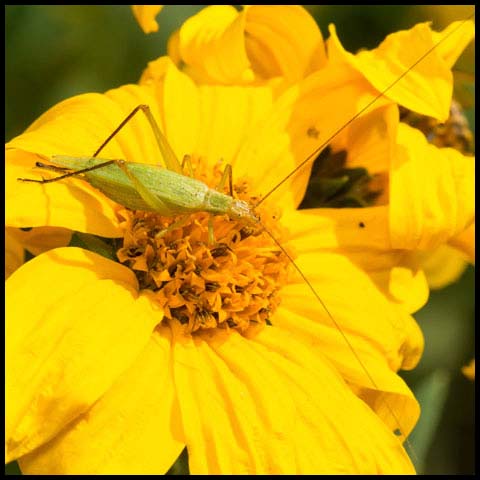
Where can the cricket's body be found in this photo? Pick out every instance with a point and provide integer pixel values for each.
(177, 194)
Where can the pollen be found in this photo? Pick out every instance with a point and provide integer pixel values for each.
(230, 283)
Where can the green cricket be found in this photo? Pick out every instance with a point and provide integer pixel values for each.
(137, 186)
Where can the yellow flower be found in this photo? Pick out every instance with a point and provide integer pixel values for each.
(429, 190)
(113, 368)
(145, 15)
(421, 204)
(222, 45)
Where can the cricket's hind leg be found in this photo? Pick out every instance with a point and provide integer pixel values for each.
(168, 155)
(66, 175)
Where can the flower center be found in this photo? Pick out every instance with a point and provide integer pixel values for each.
(454, 133)
(232, 282)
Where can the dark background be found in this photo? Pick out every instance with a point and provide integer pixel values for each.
(55, 52)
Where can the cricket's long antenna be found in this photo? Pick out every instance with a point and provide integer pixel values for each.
(345, 125)
(342, 333)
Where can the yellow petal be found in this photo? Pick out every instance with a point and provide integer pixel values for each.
(173, 48)
(465, 242)
(370, 139)
(274, 45)
(284, 411)
(179, 104)
(221, 45)
(36, 241)
(352, 439)
(408, 286)
(132, 429)
(226, 431)
(362, 236)
(75, 322)
(443, 266)
(211, 44)
(384, 337)
(145, 15)
(432, 192)
(348, 229)
(275, 412)
(469, 370)
(14, 252)
(426, 89)
(41, 239)
(457, 36)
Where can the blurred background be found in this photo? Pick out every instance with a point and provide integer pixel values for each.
(55, 52)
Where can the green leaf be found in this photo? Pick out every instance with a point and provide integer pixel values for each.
(94, 244)
(12, 469)
(432, 394)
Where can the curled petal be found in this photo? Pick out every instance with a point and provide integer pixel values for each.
(457, 36)
(145, 15)
(465, 242)
(432, 192)
(274, 45)
(469, 370)
(426, 89)
(211, 44)
(442, 266)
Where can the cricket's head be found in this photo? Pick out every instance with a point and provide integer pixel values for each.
(241, 210)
